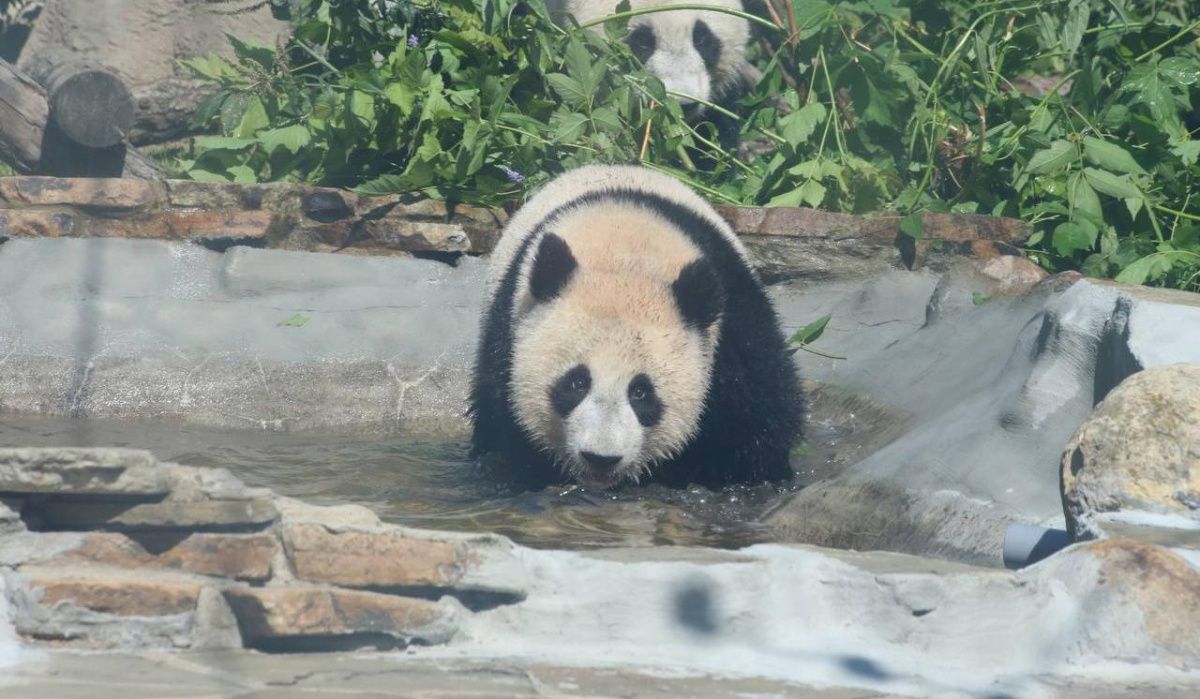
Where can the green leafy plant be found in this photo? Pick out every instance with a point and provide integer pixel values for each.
(1067, 113)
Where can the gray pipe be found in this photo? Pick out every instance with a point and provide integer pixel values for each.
(1025, 544)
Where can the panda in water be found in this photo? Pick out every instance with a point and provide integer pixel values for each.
(627, 338)
(693, 52)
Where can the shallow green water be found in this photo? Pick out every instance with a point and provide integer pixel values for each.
(422, 482)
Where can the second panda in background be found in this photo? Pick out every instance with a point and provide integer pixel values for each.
(699, 53)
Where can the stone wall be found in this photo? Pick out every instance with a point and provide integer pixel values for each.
(110, 548)
(785, 243)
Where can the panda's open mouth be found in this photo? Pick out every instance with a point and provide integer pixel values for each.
(592, 478)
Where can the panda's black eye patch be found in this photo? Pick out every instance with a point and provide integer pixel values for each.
(707, 45)
(570, 389)
(642, 42)
(644, 401)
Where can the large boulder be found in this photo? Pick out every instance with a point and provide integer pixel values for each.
(142, 41)
(1136, 460)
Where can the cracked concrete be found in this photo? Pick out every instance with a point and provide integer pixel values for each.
(246, 338)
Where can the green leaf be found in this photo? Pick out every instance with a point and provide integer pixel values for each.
(296, 320)
(812, 193)
(1153, 267)
(253, 120)
(290, 138)
(810, 333)
(1110, 156)
(913, 225)
(569, 89)
(1185, 71)
(1112, 185)
(212, 143)
(1072, 236)
(362, 106)
(800, 124)
(1057, 156)
(1083, 199)
(242, 174)
(1187, 151)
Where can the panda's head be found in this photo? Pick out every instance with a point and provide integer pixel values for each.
(612, 356)
(694, 52)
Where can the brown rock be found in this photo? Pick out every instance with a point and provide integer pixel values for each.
(1009, 274)
(81, 471)
(242, 557)
(394, 233)
(280, 198)
(17, 223)
(99, 193)
(375, 559)
(1139, 450)
(114, 592)
(273, 613)
(1143, 601)
(201, 515)
(792, 242)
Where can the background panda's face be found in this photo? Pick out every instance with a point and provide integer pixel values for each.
(688, 50)
(611, 369)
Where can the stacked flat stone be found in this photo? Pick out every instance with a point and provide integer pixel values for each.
(111, 548)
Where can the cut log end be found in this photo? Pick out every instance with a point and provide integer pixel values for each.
(92, 107)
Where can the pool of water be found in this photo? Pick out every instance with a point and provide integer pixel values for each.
(425, 482)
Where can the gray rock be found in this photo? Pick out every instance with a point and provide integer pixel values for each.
(991, 392)
(214, 625)
(165, 94)
(81, 471)
(203, 515)
(1136, 458)
(65, 620)
(10, 516)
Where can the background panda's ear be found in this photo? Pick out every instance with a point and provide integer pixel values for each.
(699, 294)
(552, 268)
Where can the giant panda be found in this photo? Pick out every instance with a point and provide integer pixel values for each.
(626, 338)
(693, 52)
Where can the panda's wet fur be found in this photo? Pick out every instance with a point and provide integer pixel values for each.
(694, 52)
(627, 339)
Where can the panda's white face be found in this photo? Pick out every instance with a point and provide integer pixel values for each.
(680, 49)
(612, 355)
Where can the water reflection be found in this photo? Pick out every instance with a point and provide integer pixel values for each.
(424, 482)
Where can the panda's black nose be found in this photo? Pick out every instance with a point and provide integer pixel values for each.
(596, 461)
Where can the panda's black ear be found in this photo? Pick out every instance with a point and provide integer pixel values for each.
(552, 268)
(699, 294)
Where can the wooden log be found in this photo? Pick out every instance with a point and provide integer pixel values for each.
(78, 130)
(88, 104)
(24, 111)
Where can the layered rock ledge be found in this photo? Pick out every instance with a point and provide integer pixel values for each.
(328, 579)
(110, 548)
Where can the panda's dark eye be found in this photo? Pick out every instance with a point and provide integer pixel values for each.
(644, 401)
(707, 44)
(641, 41)
(570, 389)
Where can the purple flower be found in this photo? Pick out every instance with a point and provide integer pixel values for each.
(512, 175)
(413, 41)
